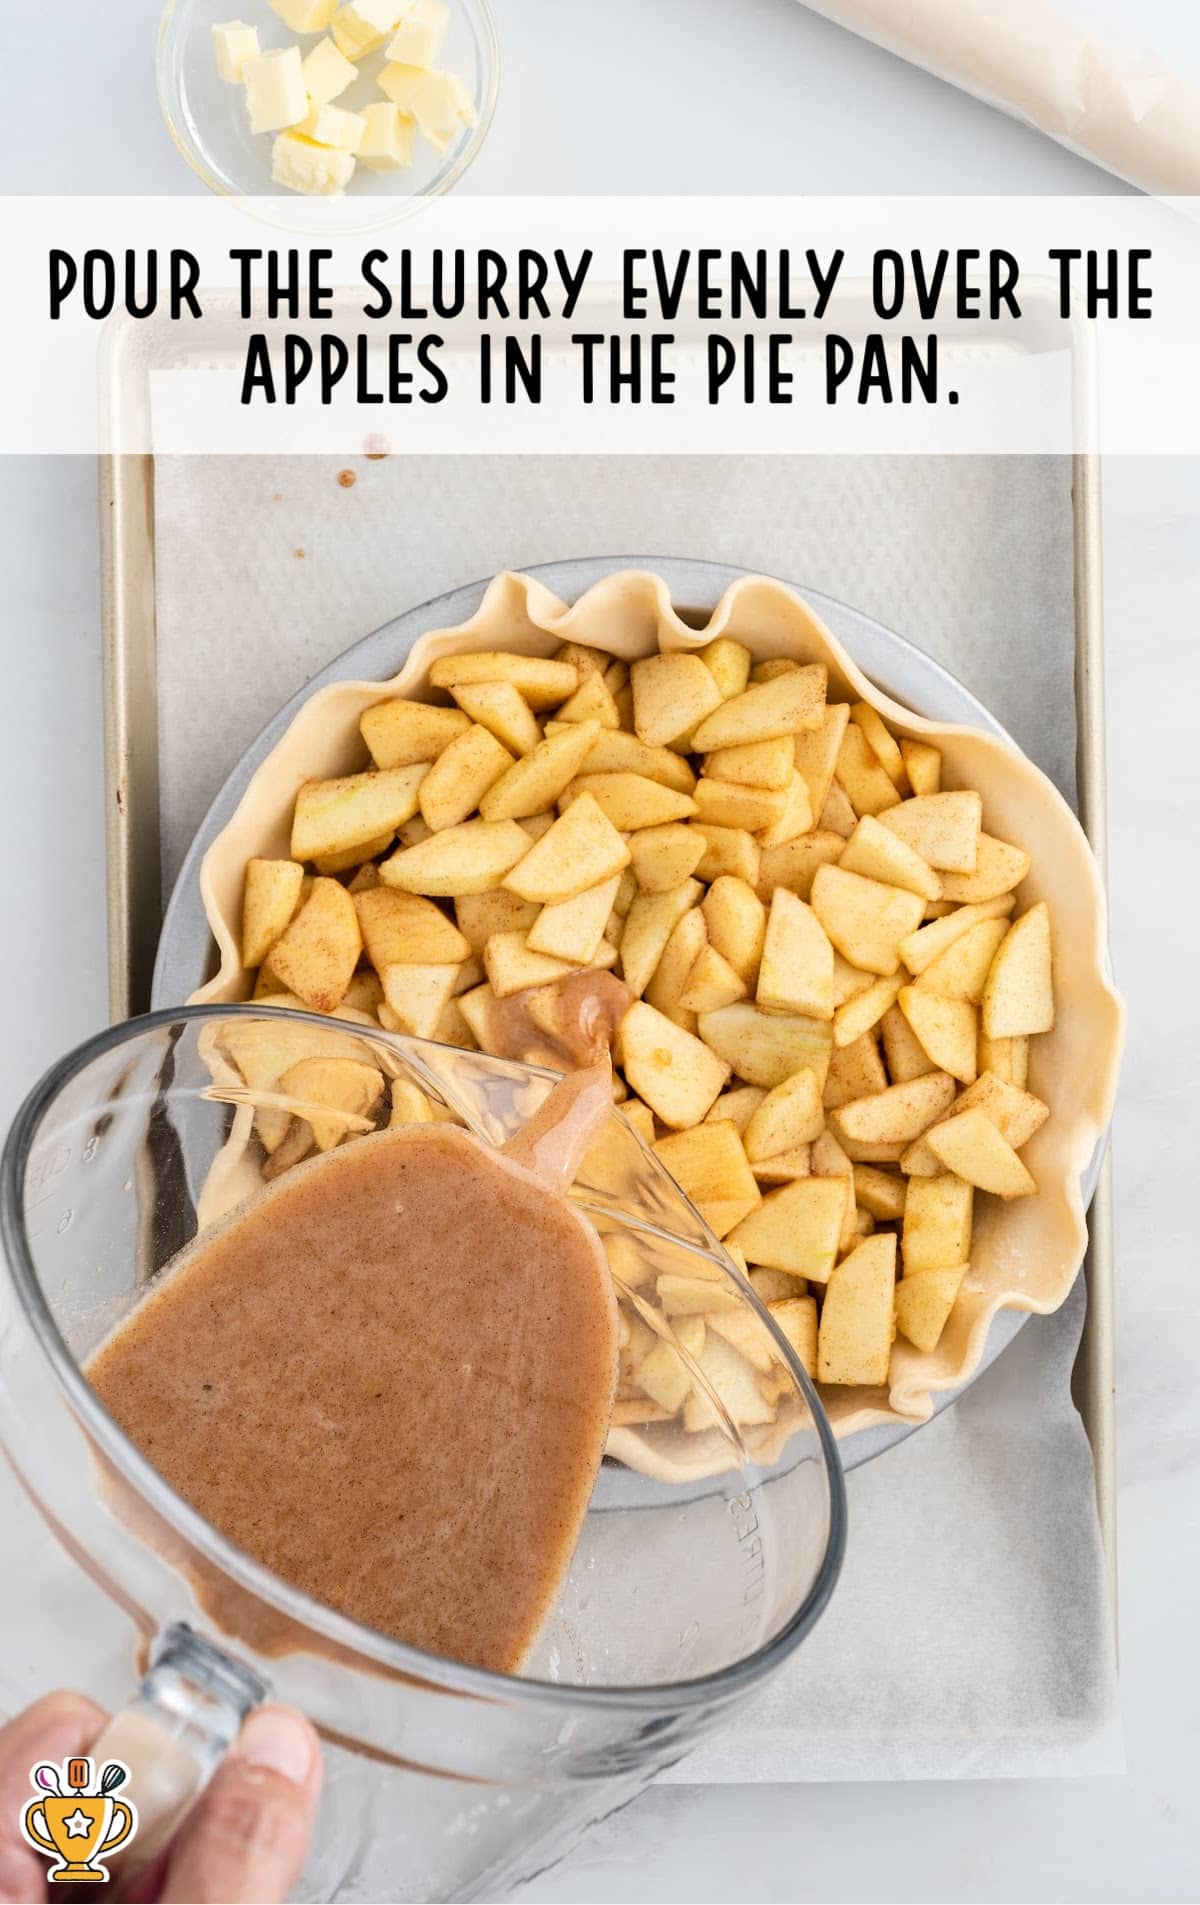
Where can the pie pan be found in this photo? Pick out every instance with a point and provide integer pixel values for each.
(1026, 1254)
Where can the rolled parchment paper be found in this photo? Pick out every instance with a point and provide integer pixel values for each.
(1122, 106)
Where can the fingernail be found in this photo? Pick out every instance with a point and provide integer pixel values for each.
(279, 1741)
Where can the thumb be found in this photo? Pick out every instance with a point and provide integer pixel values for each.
(247, 1840)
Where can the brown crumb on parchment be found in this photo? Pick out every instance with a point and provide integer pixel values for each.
(347, 479)
(300, 554)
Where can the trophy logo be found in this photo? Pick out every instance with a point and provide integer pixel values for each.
(75, 1818)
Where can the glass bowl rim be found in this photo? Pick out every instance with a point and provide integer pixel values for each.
(390, 207)
(436, 1669)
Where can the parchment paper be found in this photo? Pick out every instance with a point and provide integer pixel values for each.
(970, 1634)
(1119, 85)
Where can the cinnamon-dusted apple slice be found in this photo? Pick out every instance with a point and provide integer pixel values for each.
(728, 662)
(861, 775)
(937, 1222)
(924, 1302)
(816, 751)
(971, 1147)
(460, 777)
(665, 855)
(497, 706)
(533, 784)
(882, 743)
(674, 1073)
(649, 923)
(928, 943)
(998, 869)
(790, 704)
(866, 920)
(1018, 998)
(711, 983)
(876, 852)
(795, 863)
(573, 929)
(671, 693)
(632, 800)
(335, 815)
(737, 924)
(893, 1117)
(401, 929)
(581, 849)
(401, 733)
(271, 895)
(315, 957)
(943, 828)
(592, 701)
(415, 997)
(923, 765)
(791, 1114)
(796, 972)
(1016, 1114)
(764, 1048)
(947, 1028)
(543, 684)
(961, 971)
(471, 858)
(796, 1228)
(615, 752)
(755, 764)
(710, 1166)
(854, 1341)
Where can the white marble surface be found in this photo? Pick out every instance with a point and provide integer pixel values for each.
(586, 90)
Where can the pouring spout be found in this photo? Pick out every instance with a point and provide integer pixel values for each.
(556, 1139)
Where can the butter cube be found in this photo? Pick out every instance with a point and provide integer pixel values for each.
(275, 95)
(302, 166)
(332, 126)
(442, 107)
(360, 26)
(402, 83)
(234, 44)
(305, 16)
(420, 35)
(327, 73)
(387, 140)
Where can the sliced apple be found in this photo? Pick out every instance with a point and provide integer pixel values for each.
(876, 852)
(674, 1073)
(947, 1028)
(937, 1222)
(942, 828)
(924, 1302)
(671, 693)
(854, 1342)
(796, 972)
(764, 1048)
(581, 849)
(1018, 998)
(791, 1114)
(533, 783)
(970, 1146)
(796, 1228)
(865, 919)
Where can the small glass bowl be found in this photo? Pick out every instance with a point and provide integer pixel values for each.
(207, 117)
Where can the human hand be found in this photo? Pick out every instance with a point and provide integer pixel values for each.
(244, 1843)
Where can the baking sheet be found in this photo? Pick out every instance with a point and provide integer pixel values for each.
(975, 562)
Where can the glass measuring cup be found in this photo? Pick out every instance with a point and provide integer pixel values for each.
(707, 1553)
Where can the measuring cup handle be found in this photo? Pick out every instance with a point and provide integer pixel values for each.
(172, 1736)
